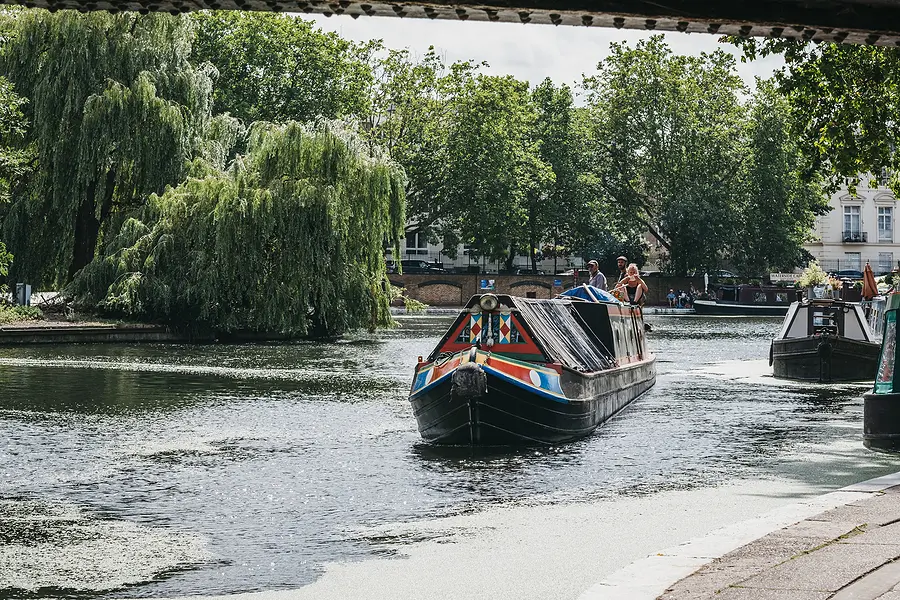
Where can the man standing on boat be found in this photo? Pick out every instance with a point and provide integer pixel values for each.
(598, 279)
(621, 262)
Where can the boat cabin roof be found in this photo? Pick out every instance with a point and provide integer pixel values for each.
(580, 335)
(819, 317)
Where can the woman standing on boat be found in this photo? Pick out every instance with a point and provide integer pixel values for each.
(633, 286)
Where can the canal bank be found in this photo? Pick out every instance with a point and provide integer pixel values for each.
(50, 332)
(842, 545)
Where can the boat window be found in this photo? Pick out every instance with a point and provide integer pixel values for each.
(759, 298)
(781, 297)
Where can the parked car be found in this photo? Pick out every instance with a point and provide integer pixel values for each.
(847, 273)
(582, 273)
(720, 274)
(529, 272)
(415, 267)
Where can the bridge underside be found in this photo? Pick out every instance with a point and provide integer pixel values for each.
(848, 21)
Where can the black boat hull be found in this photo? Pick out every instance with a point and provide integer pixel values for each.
(507, 414)
(881, 422)
(825, 358)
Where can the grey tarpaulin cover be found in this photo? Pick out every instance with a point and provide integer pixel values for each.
(559, 330)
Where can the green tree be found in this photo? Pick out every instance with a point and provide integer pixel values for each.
(15, 156)
(556, 210)
(116, 111)
(667, 146)
(275, 67)
(493, 168)
(287, 241)
(412, 108)
(844, 100)
(780, 204)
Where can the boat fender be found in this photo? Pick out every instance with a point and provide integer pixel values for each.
(824, 349)
(469, 381)
(771, 353)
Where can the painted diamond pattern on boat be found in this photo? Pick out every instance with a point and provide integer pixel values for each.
(505, 329)
(475, 328)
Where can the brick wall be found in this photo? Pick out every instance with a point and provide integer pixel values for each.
(451, 289)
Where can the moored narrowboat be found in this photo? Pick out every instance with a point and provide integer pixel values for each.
(747, 301)
(825, 340)
(514, 371)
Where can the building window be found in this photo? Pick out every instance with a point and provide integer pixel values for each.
(852, 261)
(416, 243)
(885, 224)
(852, 225)
(851, 219)
(885, 261)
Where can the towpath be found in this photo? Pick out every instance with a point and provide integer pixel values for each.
(841, 546)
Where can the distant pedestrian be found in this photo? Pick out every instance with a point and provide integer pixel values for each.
(671, 298)
(598, 279)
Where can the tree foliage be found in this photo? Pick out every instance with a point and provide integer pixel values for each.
(467, 143)
(494, 172)
(678, 149)
(288, 240)
(116, 111)
(844, 99)
(277, 68)
(15, 155)
(667, 145)
(560, 212)
(782, 197)
(412, 108)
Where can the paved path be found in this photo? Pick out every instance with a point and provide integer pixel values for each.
(840, 546)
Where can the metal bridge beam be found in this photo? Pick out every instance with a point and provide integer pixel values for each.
(848, 21)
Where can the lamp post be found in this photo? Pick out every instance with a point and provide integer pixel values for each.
(881, 406)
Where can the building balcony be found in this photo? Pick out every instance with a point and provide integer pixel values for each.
(860, 237)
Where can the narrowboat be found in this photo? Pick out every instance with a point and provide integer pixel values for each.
(747, 301)
(525, 371)
(825, 340)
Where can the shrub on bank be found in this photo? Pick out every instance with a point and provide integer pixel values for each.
(16, 313)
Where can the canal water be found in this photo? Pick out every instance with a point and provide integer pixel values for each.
(171, 470)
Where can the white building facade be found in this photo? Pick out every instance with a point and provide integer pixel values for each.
(860, 228)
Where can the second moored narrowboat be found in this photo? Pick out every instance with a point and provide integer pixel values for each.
(825, 340)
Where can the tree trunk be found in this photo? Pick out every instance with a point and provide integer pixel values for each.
(532, 242)
(87, 229)
(509, 260)
(87, 225)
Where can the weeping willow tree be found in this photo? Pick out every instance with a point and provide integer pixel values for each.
(289, 240)
(116, 109)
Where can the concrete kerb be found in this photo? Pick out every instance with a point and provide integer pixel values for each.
(649, 577)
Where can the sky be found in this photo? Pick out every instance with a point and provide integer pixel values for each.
(528, 52)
